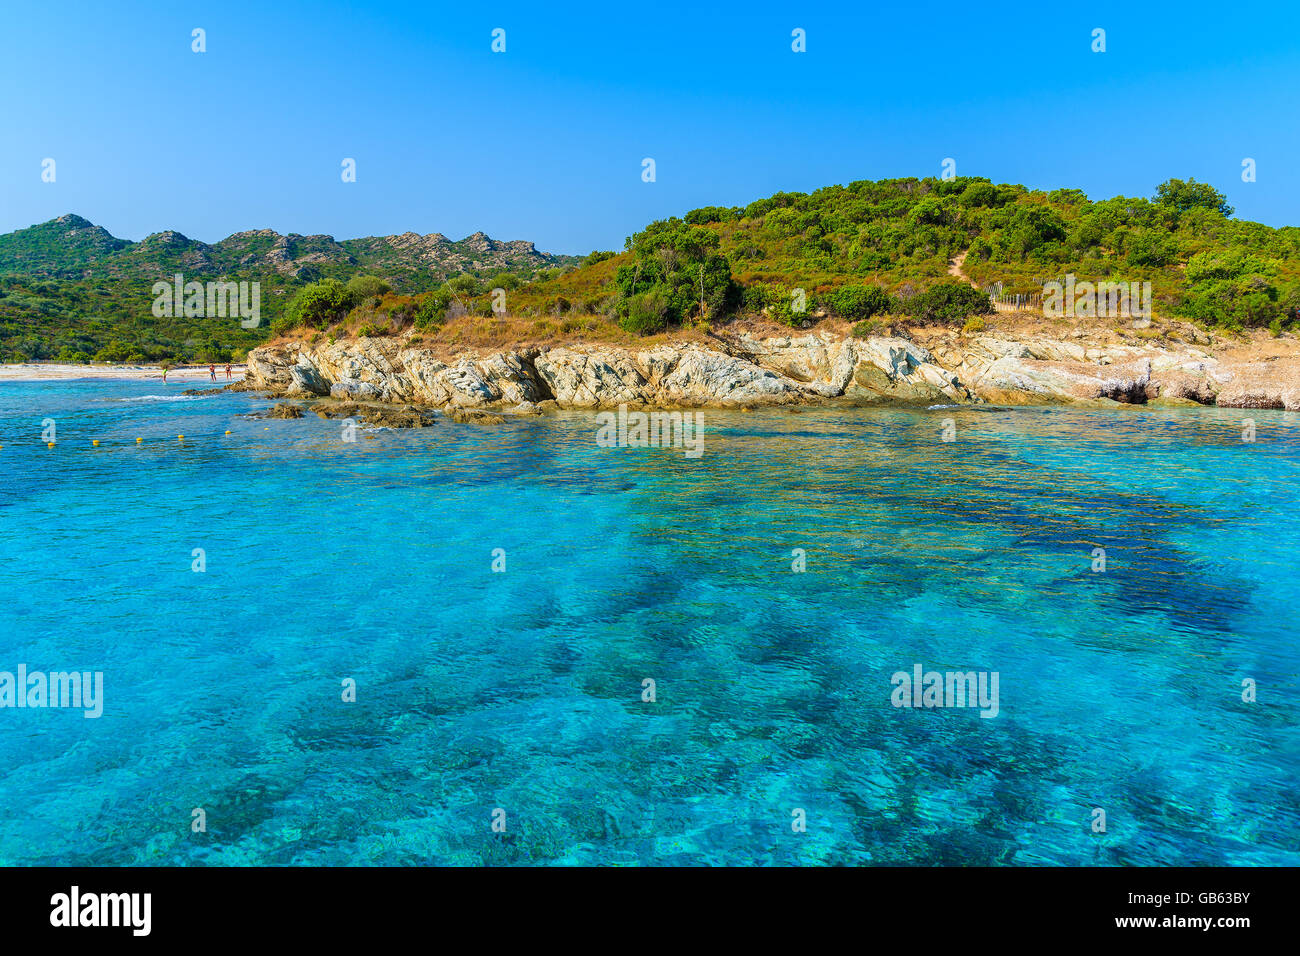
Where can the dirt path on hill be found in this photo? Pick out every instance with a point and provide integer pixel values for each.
(955, 270)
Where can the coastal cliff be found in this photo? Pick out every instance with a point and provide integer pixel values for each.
(1025, 365)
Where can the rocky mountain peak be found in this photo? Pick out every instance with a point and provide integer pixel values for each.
(480, 242)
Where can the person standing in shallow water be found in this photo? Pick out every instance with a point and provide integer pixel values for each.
(164, 374)
(227, 371)
(212, 373)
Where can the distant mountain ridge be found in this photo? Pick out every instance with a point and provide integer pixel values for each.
(71, 247)
(70, 290)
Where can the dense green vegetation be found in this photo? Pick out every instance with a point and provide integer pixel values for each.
(866, 252)
(883, 248)
(75, 322)
(676, 272)
(71, 292)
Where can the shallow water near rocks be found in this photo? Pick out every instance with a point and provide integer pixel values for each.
(522, 690)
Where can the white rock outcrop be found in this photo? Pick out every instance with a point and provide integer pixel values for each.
(746, 370)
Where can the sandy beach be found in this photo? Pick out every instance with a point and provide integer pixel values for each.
(45, 372)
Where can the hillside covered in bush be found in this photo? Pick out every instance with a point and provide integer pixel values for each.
(872, 252)
(868, 252)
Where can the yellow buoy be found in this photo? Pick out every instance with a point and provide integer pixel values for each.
(138, 440)
(180, 437)
(49, 444)
(227, 431)
(95, 442)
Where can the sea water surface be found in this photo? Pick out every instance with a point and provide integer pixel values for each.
(519, 696)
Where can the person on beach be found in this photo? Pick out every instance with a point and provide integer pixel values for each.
(227, 371)
(212, 373)
(164, 374)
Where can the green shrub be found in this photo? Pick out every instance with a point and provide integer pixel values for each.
(318, 304)
(782, 307)
(981, 193)
(647, 313)
(1229, 305)
(682, 265)
(597, 256)
(1182, 196)
(707, 214)
(432, 310)
(781, 223)
(1230, 264)
(757, 297)
(360, 288)
(858, 301)
(466, 285)
(948, 302)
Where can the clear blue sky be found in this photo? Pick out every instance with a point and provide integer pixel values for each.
(545, 141)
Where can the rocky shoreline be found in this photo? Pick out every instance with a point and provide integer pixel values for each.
(745, 369)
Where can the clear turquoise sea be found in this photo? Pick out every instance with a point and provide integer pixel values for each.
(522, 690)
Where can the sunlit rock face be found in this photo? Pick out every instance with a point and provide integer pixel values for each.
(747, 370)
